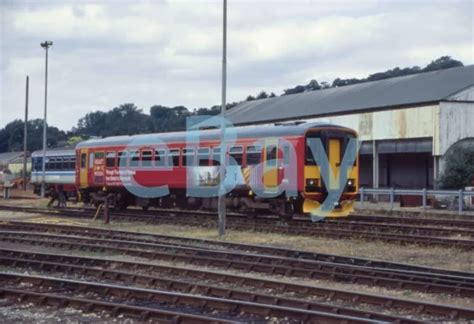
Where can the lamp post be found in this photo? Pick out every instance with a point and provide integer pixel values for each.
(46, 45)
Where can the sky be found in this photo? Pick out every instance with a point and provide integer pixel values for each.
(107, 53)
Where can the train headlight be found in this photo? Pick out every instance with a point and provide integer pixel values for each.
(350, 182)
(312, 182)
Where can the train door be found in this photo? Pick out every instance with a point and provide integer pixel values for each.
(82, 168)
(270, 175)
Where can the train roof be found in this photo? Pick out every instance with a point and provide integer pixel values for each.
(54, 152)
(254, 131)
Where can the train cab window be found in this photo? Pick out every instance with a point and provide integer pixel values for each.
(122, 159)
(83, 160)
(310, 160)
(254, 154)
(286, 154)
(203, 156)
(271, 152)
(160, 160)
(146, 158)
(237, 152)
(110, 160)
(188, 157)
(174, 157)
(216, 156)
(134, 158)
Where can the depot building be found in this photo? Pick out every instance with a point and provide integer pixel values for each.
(405, 124)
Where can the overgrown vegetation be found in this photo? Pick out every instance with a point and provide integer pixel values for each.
(128, 119)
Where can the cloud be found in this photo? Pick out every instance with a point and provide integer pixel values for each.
(110, 52)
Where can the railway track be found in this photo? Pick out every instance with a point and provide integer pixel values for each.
(461, 284)
(159, 292)
(94, 268)
(336, 229)
(239, 247)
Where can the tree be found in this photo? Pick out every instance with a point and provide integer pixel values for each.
(11, 136)
(250, 98)
(297, 89)
(262, 95)
(459, 166)
(312, 86)
(444, 62)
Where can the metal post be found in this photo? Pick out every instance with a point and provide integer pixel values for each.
(106, 211)
(25, 135)
(222, 199)
(460, 201)
(375, 168)
(46, 46)
(392, 198)
(424, 198)
(361, 190)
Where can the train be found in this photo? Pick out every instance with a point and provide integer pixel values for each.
(270, 168)
(60, 171)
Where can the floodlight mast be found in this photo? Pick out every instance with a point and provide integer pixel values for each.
(46, 45)
(221, 203)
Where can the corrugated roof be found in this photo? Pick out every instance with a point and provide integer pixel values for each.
(7, 157)
(429, 87)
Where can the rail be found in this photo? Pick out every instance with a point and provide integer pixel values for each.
(392, 192)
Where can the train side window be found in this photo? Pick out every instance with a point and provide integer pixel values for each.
(71, 163)
(83, 160)
(286, 154)
(237, 152)
(146, 158)
(49, 163)
(134, 158)
(216, 156)
(91, 160)
(160, 160)
(122, 159)
(271, 151)
(110, 160)
(203, 156)
(254, 154)
(174, 157)
(188, 157)
(59, 163)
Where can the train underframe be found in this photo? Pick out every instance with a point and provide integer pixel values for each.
(241, 201)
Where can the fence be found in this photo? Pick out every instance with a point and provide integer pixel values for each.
(460, 194)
